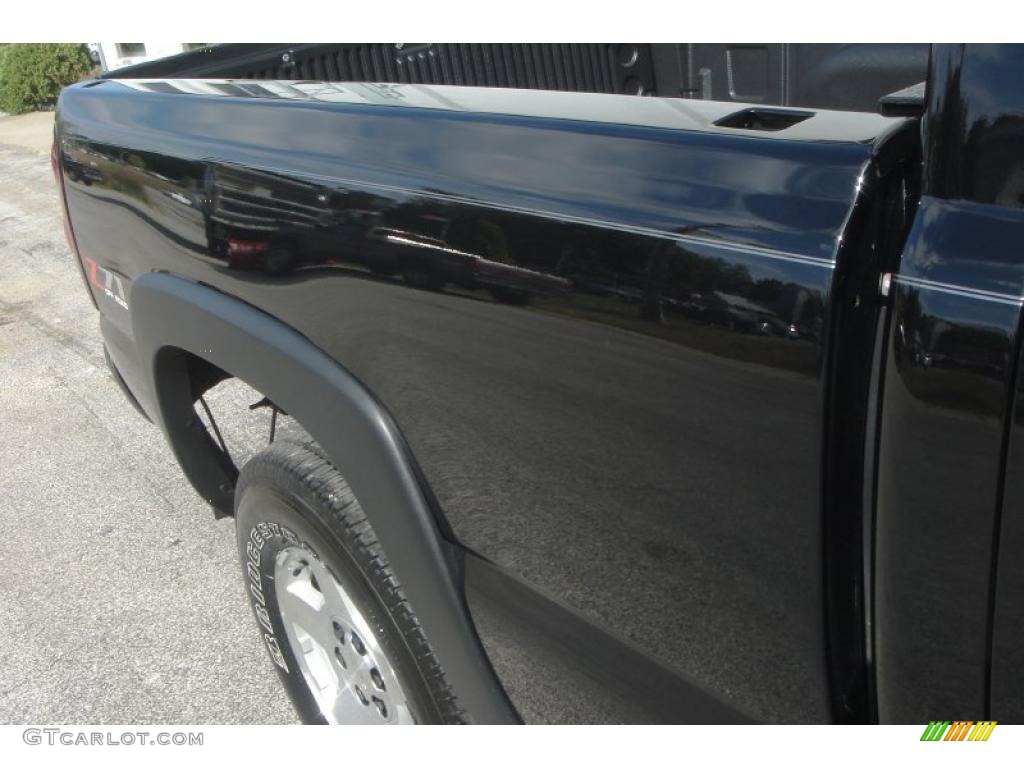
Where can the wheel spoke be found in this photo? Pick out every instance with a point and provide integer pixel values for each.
(348, 711)
(340, 604)
(302, 604)
(336, 648)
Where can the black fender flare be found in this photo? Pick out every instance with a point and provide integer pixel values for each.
(171, 314)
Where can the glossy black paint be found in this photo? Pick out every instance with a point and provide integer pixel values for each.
(973, 130)
(947, 634)
(530, 636)
(875, 233)
(1007, 662)
(606, 328)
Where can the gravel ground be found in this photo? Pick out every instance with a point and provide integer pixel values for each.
(121, 599)
(32, 131)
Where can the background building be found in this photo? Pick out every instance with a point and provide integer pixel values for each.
(116, 55)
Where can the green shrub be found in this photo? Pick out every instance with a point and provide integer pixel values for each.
(32, 74)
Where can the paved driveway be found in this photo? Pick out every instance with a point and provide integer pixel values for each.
(121, 600)
(33, 131)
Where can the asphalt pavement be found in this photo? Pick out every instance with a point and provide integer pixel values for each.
(121, 599)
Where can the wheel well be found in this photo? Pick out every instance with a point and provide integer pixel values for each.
(239, 419)
(203, 375)
(191, 337)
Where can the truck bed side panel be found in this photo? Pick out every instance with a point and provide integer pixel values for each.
(604, 340)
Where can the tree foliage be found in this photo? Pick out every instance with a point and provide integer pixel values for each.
(32, 74)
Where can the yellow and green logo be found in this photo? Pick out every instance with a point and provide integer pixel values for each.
(958, 730)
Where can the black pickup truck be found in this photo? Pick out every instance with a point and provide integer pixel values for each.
(631, 383)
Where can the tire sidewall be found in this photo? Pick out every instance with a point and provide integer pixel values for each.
(270, 518)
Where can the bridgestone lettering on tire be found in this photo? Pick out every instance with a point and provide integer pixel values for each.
(343, 638)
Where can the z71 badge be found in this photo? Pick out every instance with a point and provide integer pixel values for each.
(106, 282)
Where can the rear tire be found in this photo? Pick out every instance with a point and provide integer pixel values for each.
(422, 277)
(342, 636)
